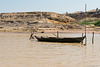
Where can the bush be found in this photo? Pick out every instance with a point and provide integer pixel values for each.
(88, 22)
(97, 23)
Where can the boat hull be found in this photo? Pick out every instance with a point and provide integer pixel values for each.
(55, 39)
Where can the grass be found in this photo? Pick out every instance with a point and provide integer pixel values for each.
(89, 22)
(97, 23)
(71, 23)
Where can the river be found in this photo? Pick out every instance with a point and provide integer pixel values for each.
(16, 50)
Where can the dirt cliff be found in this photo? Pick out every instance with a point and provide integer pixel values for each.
(29, 18)
(35, 20)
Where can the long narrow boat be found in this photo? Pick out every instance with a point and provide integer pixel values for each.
(59, 39)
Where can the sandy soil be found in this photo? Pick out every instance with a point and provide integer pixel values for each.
(52, 31)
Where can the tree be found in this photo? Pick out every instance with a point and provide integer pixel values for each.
(97, 10)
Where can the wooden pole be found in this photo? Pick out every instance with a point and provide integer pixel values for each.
(82, 34)
(57, 34)
(93, 38)
(82, 40)
(54, 34)
(31, 36)
(85, 23)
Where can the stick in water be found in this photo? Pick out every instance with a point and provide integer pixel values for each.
(93, 38)
(31, 36)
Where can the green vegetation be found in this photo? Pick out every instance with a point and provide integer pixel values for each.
(97, 23)
(87, 22)
(90, 22)
(71, 23)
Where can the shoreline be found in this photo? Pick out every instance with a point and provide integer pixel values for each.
(51, 31)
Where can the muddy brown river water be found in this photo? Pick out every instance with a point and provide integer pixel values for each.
(16, 50)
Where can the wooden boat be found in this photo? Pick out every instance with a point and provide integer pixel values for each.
(65, 39)
(59, 39)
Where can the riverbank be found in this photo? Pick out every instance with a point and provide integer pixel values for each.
(50, 31)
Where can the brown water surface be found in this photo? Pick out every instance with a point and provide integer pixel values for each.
(16, 50)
